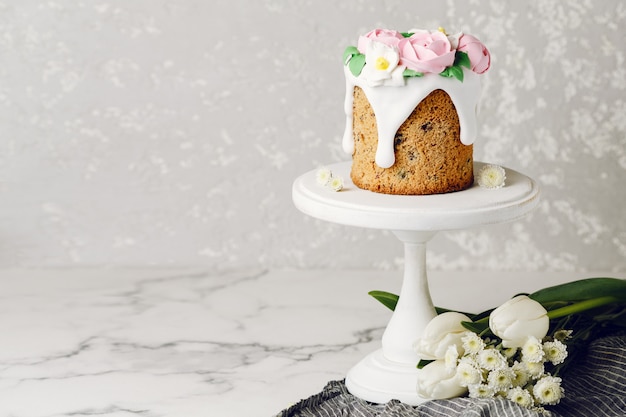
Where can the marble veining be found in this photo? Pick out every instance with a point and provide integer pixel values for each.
(185, 342)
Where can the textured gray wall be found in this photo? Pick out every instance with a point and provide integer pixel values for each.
(155, 132)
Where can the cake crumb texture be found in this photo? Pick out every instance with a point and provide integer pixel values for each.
(429, 155)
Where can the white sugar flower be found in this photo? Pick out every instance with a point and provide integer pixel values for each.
(548, 390)
(501, 379)
(481, 391)
(491, 177)
(555, 352)
(520, 396)
(520, 374)
(468, 374)
(336, 183)
(472, 343)
(491, 359)
(323, 176)
(534, 369)
(532, 351)
(451, 357)
(381, 65)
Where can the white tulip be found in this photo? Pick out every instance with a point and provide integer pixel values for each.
(518, 319)
(436, 382)
(439, 334)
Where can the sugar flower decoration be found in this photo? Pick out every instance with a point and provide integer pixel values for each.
(491, 177)
(325, 178)
(382, 65)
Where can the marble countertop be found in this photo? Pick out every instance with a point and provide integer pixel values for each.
(174, 342)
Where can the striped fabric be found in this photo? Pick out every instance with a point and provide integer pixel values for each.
(594, 387)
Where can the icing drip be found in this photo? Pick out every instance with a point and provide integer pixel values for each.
(393, 105)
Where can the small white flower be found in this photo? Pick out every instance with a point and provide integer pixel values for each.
(491, 359)
(323, 176)
(451, 357)
(562, 335)
(520, 396)
(509, 352)
(548, 390)
(520, 374)
(491, 177)
(481, 391)
(468, 374)
(472, 343)
(336, 183)
(555, 352)
(501, 379)
(381, 65)
(532, 351)
(534, 369)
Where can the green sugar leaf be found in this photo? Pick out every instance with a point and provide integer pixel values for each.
(349, 53)
(406, 34)
(461, 59)
(412, 73)
(453, 71)
(356, 64)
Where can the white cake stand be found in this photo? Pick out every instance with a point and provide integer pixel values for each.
(390, 373)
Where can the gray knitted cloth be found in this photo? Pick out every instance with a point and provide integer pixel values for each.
(595, 386)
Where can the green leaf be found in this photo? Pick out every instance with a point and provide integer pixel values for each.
(583, 289)
(406, 34)
(453, 71)
(475, 327)
(423, 362)
(388, 299)
(412, 73)
(461, 59)
(349, 53)
(356, 64)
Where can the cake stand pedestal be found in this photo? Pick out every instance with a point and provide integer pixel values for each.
(390, 372)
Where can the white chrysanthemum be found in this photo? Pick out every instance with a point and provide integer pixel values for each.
(451, 357)
(532, 351)
(468, 374)
(520, 396)
(562, 335)
(472, 343)
(491, 359)
(548, 390)
(323, 176)
(336, 183)
(491, 176)
(509, 352)
(481, 391)
(534, 369)
(500, 379)
(520, 374)
(555, 352)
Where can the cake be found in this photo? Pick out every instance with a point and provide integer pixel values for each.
(411, 101)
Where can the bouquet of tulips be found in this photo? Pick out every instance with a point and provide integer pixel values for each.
(519, 350)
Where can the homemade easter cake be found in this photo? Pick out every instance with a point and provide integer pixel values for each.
(411, 100)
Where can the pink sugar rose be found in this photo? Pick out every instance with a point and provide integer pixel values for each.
(386, 36)
(479, 56)
(426, 52)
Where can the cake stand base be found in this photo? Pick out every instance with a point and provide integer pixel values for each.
(379, 380)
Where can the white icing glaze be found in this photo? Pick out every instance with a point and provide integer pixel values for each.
(393, 105)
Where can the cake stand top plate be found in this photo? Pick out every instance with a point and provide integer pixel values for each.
(475, 206)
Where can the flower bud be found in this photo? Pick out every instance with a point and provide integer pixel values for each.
(518, 319)
(435, 381)
(441, 332)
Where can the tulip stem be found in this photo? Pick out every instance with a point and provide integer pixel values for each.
(580, 306)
